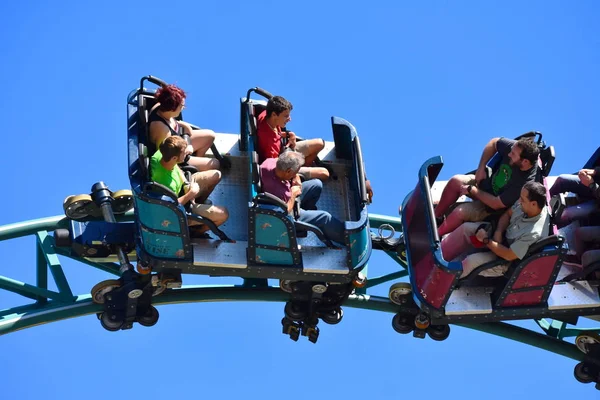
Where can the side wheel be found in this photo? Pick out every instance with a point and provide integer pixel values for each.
(333, 317)
(403, 323)
(438, 332)
(62, 238)
(75, 207)
(109, 324)
(583, 340)
(122, 201)
(293, 312)
(150, 319)
(285, 285)
(100, 289)
(399, 291)
(582, 374)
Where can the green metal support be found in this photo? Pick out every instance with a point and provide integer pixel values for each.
(46, 243)
(395, 257)
(110, 267)
(386, 278)
(27, 290)
(376, 220)
(559, 329)
(53, 306)
(84, 306)
(41, 274)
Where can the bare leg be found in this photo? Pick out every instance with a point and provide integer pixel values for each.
(457, 242)
(204, 163)
(202, 139)
(451, 193)
(310, 149)
(207, 180)
(218, 215)
(473, 211)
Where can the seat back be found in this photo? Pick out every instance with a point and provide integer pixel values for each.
(255, 172)
(530, 281)
(254, 110)
(547, 157)
(432, 278)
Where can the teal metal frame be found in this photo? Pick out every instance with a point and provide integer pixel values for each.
(50, 306)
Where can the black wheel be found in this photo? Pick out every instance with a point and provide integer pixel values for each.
(438, 332)
(295, 335)
(582, 374)
(62, 238)
(403, 323)
(100, 289)
(150, 319)
(333, 317)
(293, 312)
(109, 324)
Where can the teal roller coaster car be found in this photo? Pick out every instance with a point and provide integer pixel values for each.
(260, 239)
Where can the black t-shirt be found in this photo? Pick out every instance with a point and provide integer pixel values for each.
(507, 182)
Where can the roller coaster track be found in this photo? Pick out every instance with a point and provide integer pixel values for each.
(50, 306)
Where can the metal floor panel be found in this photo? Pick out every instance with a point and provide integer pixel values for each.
(337, 199)
(320, 260)
(232, 192)
(573, 295)
(215, 253)
(469, 301)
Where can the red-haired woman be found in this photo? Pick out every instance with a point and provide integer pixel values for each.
(171, 101)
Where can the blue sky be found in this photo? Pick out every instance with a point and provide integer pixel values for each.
(417, 79)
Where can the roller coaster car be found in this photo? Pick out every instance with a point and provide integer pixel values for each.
(259, 240)
(318, 274)
(438, 296)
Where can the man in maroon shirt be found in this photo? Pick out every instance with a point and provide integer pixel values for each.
(279, 177)
(269, 126)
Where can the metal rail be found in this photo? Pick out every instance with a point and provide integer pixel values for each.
(51, 306)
